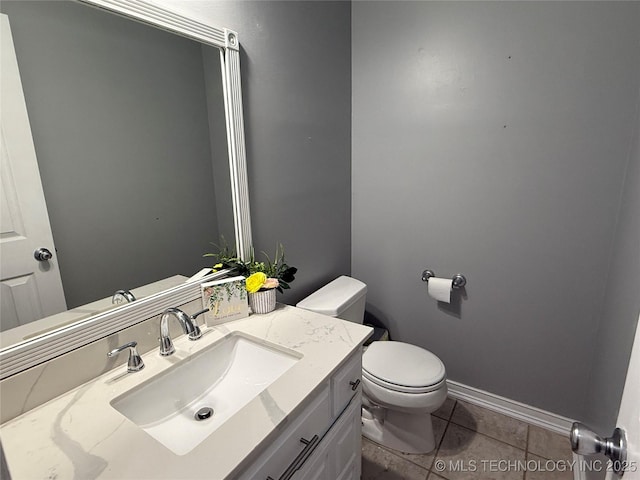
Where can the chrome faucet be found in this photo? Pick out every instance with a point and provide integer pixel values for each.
(187, 324)
(122, 295)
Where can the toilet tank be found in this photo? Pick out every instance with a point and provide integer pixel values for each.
(343, 298)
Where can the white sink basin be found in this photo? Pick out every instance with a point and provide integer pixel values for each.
(223, 377)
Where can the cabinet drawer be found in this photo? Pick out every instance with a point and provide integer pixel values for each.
(346, 383)
(310, 426)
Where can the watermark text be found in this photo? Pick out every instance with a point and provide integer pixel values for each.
(502, 465)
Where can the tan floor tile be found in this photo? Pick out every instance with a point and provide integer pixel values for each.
(539, 468)
(547, 444)
(493, 424)
(433, 476)
(466, 455)
(446, 409)
(426, 459)
(380, 464)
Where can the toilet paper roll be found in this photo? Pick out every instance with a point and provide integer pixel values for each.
(440, 289)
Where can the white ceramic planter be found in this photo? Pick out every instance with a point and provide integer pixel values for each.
(263, 302)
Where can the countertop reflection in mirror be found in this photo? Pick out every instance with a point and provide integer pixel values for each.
(168, 208)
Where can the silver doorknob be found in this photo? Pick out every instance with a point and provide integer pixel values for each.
(586, 442)
(42, 254)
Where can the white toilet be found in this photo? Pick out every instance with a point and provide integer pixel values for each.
(402, 383)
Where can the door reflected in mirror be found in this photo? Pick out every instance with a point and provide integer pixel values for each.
(129, 131)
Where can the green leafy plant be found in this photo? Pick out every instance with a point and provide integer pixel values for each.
(227, 258)
(263, 275)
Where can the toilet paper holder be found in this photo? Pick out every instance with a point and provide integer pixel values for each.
(458, 280)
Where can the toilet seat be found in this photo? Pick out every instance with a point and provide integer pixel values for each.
(402, 388)
(402, 367)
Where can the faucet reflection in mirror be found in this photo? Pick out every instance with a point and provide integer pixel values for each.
(122, 296)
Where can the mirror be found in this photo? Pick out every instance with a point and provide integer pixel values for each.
(140, 166)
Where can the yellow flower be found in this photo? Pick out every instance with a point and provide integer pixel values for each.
(255, 282)
(217, 265)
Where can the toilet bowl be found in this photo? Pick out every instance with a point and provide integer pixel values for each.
(402, 384)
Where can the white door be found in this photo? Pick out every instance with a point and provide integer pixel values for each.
(629, 415)
(30, 289)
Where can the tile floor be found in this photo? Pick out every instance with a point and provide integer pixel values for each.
(475, 443)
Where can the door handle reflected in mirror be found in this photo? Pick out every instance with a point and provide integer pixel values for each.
(42, 254)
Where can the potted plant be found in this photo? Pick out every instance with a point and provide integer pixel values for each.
(263, 278)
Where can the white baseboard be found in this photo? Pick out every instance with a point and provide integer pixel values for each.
(517, 410)
(511, 408)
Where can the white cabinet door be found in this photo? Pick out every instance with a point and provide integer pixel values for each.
(338, 456)
(318, 466)
(347, 458)
(30, 289)
(347, 444)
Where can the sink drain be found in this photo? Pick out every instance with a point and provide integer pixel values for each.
(204, 413)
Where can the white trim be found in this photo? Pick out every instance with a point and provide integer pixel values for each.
(29, 353)
(511, 408)
(164, 19)
(237, 154)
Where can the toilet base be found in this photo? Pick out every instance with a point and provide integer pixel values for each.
(407, 433)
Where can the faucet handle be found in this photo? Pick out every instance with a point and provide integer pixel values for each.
(194, 330)
(197, 314)
(135, 363)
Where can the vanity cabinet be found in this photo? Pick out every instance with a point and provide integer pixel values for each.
(323, 442)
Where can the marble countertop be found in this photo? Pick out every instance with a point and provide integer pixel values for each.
(80, 435)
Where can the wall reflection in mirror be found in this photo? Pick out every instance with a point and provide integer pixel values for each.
(129, 131)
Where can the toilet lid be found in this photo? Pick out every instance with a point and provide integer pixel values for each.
(402, 364)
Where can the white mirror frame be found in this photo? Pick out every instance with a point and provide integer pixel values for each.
(27, 354)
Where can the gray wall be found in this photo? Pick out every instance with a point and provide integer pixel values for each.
(492, 138)
(218, 143)
(119, 121)
(619, 314)
(296, 74)
(298, 84)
